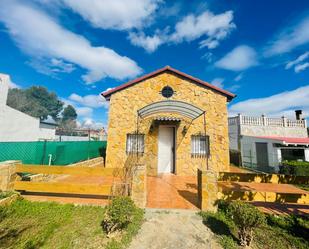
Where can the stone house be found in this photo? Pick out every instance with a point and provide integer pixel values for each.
(170, 122)
(263, 143)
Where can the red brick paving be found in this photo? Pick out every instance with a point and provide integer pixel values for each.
(171, 191)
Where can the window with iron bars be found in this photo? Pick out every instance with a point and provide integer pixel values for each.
(199, 145)
(135, 143)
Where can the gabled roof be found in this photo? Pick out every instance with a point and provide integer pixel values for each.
(108, 94)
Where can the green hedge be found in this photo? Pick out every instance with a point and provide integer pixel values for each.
(294, 168)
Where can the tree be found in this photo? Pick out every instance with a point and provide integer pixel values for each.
(36, 101)
(68, 121)
(48, 100)
(69, 113)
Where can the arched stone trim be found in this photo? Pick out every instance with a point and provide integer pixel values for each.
(171, 106)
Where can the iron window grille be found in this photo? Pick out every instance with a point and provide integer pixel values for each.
(135, 143)
(199, 145)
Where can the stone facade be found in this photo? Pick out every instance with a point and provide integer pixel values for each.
(124, 105)
(8, 175)
(139, 181)
(207, 190)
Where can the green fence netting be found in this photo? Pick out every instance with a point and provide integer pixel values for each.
(61, 153)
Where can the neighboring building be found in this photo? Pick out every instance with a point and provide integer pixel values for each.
(18, 126)
(261, 142)
(169, 121)
(81, 135)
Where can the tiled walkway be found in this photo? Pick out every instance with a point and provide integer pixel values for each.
(171, 191)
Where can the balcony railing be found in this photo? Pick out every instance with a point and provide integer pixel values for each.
(265, 121)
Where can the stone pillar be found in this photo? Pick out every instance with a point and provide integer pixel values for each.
(207, 190)
(139, 186)
(8, 175)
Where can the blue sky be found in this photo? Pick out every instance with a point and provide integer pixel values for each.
(79, 48)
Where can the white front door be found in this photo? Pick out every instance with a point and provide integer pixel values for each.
(165, 149)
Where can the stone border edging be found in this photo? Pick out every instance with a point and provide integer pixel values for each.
(8, 200)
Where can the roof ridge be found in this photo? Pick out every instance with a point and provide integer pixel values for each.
(108, 93)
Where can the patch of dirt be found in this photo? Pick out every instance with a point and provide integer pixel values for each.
(174, 229)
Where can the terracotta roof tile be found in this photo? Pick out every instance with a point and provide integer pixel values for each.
(107, 94)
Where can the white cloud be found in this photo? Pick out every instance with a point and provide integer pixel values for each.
(297, 63)
(209, 43)
(239, 77)
(216, 27)
(91, 124)
(84, 111)
(301, 67)
(108, 89)
(207, 56)
(292, 37)
(218, 82)
(114, 14)
(61, 66)
(149, 43)
(40, 36)
(51, 67)
(94, 101)
(234, 88)
(299, 59)
(240, 58)
(213, 27)
(276, 105)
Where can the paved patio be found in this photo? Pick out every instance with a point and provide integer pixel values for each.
(168, 191)
(171, 191)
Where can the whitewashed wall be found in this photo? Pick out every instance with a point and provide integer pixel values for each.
(248, 151)
(16, 125)
(71, 138)
(251, 130)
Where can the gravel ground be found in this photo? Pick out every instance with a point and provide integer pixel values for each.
(173, 229)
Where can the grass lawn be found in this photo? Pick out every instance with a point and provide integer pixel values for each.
(280, 232)
(26, 224)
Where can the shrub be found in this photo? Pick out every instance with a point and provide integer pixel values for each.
(246, 217)
(294, 168)
(118, 214)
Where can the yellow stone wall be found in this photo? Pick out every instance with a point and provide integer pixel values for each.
(124, 105)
